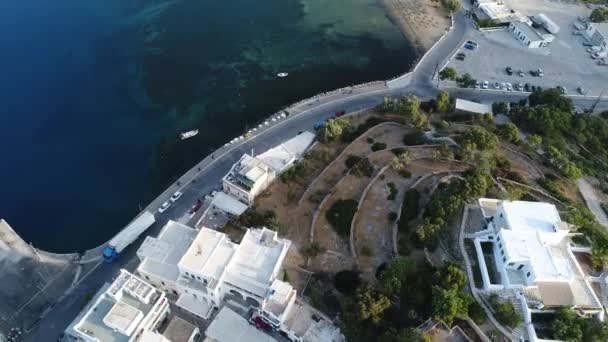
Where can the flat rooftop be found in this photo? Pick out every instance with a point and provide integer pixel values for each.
(306, 322)
(161, 255)
(281, 293)
(283, 155)
(179, 330)
(260, 252)
(528, 30)
(122, 305)
(209, 254)
(228, 326)
(531, 216)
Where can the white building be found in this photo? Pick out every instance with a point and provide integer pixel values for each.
(597, 34)
(205, 266)
(160, 255)
(129, 309)
(533, 256)
(529, 36)
(465, 106)
(295, 319)
(253, 174)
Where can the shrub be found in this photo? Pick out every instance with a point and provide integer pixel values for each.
(405, 173)
(363, 168)
(392, 216)
(317, 196)
(393, 191)
(298, 170)
(340, 215)
(370, 140)
(414, 138)
(476, 313)
(312, 249)
(378, 146)
(366, 251)
(504, 312)
(398, 150)
(409, 208)
(352, 160)
(347, 282)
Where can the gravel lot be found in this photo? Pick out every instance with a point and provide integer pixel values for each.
(565, 62)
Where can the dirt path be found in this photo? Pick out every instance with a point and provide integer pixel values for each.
(592, 201)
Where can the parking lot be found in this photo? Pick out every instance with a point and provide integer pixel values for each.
(565, 63)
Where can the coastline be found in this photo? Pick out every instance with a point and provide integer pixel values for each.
(421, 22)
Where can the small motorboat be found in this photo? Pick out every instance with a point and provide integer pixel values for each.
(188, 134)
(282, 74)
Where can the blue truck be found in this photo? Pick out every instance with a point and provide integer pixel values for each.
(126, 236)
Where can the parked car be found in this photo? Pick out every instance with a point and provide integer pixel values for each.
(477, 84)
(519, 87)
(485, 85)
(503, 85)
(496, 85)
(539, 72)
(319, 124)
(509, 71)
(175, 196)
(581, 90)
(599, 54)
(533, 73)
(509, 86)
(576, 33)
(340, 113)
(460, 54)
(561, 89)
(521, 73)
(593, 49)
(586, 43)
(473, 44)
(460, 58)
(163, 207)
(527, 87)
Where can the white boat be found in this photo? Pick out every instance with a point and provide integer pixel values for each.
(282, 74)
(188, 134)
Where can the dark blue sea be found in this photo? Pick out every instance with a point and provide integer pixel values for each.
(94, 94)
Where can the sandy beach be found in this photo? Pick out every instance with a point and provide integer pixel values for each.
(423, 22)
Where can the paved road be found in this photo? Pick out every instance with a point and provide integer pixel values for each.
(420, 83)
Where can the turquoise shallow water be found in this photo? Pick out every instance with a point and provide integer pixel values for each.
(95, 94)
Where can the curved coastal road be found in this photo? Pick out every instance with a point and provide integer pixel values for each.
(418, 82)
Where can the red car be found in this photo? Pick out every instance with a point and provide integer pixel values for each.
(261, 324)
(340, 113)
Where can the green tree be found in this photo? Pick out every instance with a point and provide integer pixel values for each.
(505, 312)
(388, 104)
(553, 98)
(451, 6)
(448, 73)
(332, 130)
(509, 132)
(443, 151)
(371, 305)
(409, 106)
(451, 278)
(566, 326)
(340, 215)
(599, 15)
(448, 304)
(562, 163)
(442, 103)
(394, 276)
(535, 140)
(479, 139)
(466, 81)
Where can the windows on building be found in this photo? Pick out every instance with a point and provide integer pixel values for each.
(528, 274)
(520, 267)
